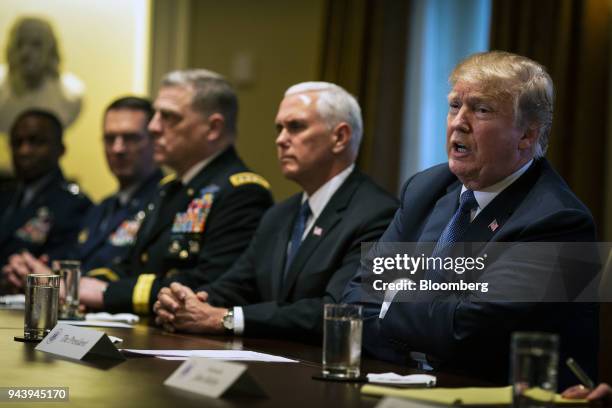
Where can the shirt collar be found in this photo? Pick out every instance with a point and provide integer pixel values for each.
(196, 168)
(486, 195)
(125, 195)
(319, 199)
(32, 189)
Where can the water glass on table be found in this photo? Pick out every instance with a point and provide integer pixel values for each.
(535, 359)
(342, 341)
(70, 273)
(42, 299)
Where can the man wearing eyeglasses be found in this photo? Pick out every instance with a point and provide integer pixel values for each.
(109, 229)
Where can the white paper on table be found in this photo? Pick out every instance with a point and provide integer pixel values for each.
(95, 324)
(226, 355)
(393, 378)
(13, 299)
(117, 317)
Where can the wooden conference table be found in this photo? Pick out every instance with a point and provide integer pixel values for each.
(138, 382)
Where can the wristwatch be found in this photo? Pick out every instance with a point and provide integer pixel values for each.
(228, 321)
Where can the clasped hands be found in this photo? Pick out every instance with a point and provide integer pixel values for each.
(19, 266)
(178, 308)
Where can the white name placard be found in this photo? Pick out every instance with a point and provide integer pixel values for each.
(78, 343)
(213, 378)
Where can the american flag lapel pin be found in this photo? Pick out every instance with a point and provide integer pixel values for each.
(317, 231)
(493, 225)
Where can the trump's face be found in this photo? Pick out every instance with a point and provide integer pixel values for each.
(304, 142)
(483, 141)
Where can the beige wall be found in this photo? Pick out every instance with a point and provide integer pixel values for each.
(263, 47)
(105, 43)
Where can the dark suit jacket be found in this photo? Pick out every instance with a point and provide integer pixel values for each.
(49, 224)
(233, 201)
(458, 333)
(109, 229)
(292, 306)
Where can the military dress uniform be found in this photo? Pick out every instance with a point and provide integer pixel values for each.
(191, 234)
(110, 228)
(47, 223)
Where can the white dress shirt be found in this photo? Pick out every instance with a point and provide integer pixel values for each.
(486, 195)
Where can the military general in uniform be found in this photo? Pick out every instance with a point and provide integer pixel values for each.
(205, 213)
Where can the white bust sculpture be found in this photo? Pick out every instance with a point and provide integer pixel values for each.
(32, 78)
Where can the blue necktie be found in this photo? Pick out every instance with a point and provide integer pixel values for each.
(296, 234)
(457, 226)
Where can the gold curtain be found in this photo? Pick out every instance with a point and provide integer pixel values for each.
(571, 38)
(364, 51)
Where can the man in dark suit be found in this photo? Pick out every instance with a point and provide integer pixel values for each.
(205, 214)
(42, 214)
(496, 187)
(109, 228)
(307, 247)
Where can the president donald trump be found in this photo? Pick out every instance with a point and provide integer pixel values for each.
(497, 187)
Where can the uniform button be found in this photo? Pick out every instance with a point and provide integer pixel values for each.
(144, 257)
(175, 247)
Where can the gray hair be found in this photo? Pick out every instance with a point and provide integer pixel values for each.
(212, 93)
(524, 80)
(334, 105)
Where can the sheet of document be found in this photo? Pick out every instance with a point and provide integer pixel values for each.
(226, 355)
(128, 318)
(12, 299)
(12, 302)
(91, 323)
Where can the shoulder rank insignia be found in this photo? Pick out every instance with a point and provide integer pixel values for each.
(246, 177)
(167, 179)
(193, 220)
(36, 229)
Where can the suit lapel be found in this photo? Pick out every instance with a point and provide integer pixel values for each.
(442, 213)
(329, 218)
(282, 241)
